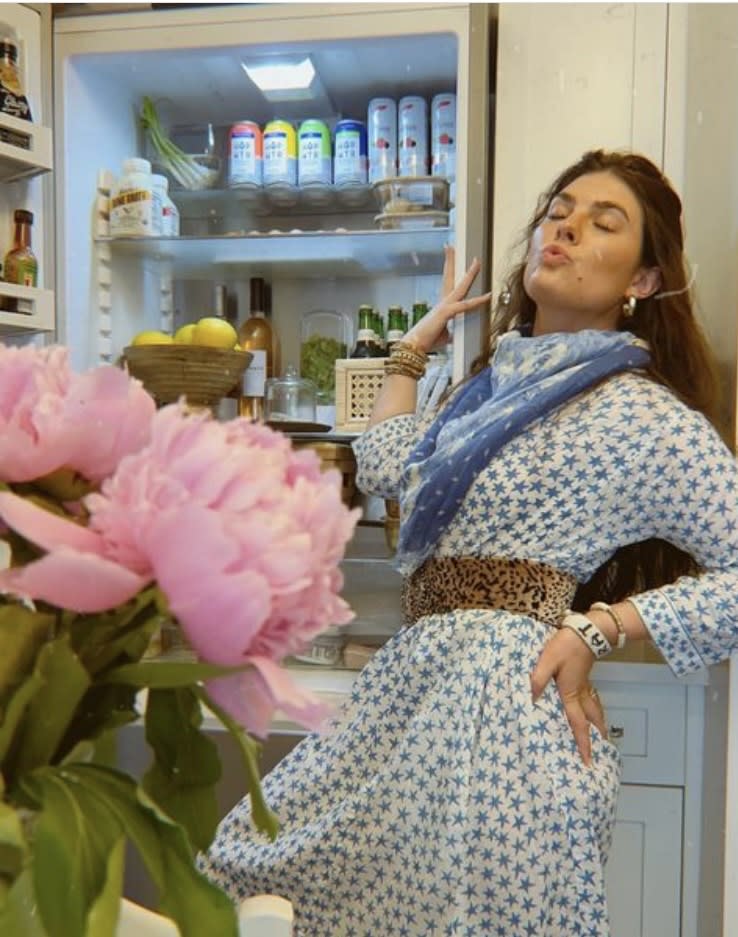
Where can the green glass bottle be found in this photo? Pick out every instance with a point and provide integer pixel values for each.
(365, 346)
(419, 310)
(395, 326)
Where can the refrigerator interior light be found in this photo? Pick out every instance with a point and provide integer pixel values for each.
(284, 77)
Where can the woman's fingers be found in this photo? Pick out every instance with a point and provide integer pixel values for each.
(593, 709)
(449, 270)
(579, 724)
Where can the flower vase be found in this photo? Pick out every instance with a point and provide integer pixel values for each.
(259, 916)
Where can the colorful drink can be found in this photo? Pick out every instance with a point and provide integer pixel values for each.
(245, 154)
(280, 153)
(313, 153)
(349, 161)
(443, 136)
(382, 138)
(412, 136)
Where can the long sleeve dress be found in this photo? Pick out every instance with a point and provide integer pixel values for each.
(443, 801)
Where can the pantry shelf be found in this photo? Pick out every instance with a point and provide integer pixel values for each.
(307, 254)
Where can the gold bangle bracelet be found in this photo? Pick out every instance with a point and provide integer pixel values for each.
(409, 347)
(399, 368)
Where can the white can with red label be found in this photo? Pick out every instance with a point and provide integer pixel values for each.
(443, 136)
(412, 136)
(381, 123)
(245, 154)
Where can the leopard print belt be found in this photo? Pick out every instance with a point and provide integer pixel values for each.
(522, 586)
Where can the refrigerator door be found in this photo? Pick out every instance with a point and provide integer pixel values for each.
(26, 161)
(192, 63)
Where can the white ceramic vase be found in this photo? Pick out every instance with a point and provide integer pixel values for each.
(259, 916)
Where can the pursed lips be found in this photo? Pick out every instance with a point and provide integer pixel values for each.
(553, 254)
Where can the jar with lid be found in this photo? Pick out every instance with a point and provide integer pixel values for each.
(132, 201)
(325, 336)
(290, 398)
(12, 99)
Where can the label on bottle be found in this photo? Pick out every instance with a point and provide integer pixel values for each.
(21, 270)
(254, 377)
(132, 213)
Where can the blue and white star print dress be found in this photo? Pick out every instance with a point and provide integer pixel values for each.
(443, 801)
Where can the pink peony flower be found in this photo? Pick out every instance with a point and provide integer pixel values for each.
(51, 417)
(241, 533)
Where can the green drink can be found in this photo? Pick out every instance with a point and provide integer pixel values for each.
(313, 153)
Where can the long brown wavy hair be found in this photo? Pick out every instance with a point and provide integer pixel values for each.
(680, 356)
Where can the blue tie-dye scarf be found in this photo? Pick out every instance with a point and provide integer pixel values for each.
(527, 379)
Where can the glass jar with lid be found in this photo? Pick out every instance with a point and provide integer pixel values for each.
(290, 398)
(325, 336)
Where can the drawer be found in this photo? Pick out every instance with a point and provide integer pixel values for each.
(647, 722)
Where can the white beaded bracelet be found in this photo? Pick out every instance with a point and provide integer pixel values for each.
(588, 632)
(618, 621)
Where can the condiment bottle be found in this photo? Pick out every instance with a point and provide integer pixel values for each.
(20, 263)
(12, 99)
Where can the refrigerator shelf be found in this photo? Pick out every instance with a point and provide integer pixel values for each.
(289, 254)
(261, 201)
(25, 149)
(35, 310)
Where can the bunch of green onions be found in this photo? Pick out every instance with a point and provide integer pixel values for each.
(184, 168)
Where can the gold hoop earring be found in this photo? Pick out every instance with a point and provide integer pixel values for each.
(629, 307)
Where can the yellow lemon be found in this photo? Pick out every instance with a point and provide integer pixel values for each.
(183, 335)
(215, 332)
(152, 337)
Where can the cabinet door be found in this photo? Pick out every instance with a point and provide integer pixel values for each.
(570, 77)
(644, 871)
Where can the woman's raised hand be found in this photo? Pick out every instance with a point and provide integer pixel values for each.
(433, 327)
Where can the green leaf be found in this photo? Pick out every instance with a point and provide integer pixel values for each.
(14, 712)
(70, 855)
(196, 905)
(103, 916)
(74, 834)
(22, 633)
(13, 847)
(18, 910)
(102, 709)
(162, 674)
(118, 636)
(265, 820)
(53, 707)
(186, 766)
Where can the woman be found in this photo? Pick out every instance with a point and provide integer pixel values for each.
(469, 787)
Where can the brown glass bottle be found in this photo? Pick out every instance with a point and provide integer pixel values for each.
(20, 265)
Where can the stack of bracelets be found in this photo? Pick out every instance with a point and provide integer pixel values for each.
(407, 359)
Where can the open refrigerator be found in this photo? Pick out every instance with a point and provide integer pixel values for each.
(190, 61)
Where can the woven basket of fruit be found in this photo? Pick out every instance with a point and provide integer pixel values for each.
(201, 374)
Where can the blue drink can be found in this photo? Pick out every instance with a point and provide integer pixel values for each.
(350, 153)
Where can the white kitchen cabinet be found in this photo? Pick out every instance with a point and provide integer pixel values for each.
(23, 165)
(660, 727)
(644, 871)
(570, 77)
